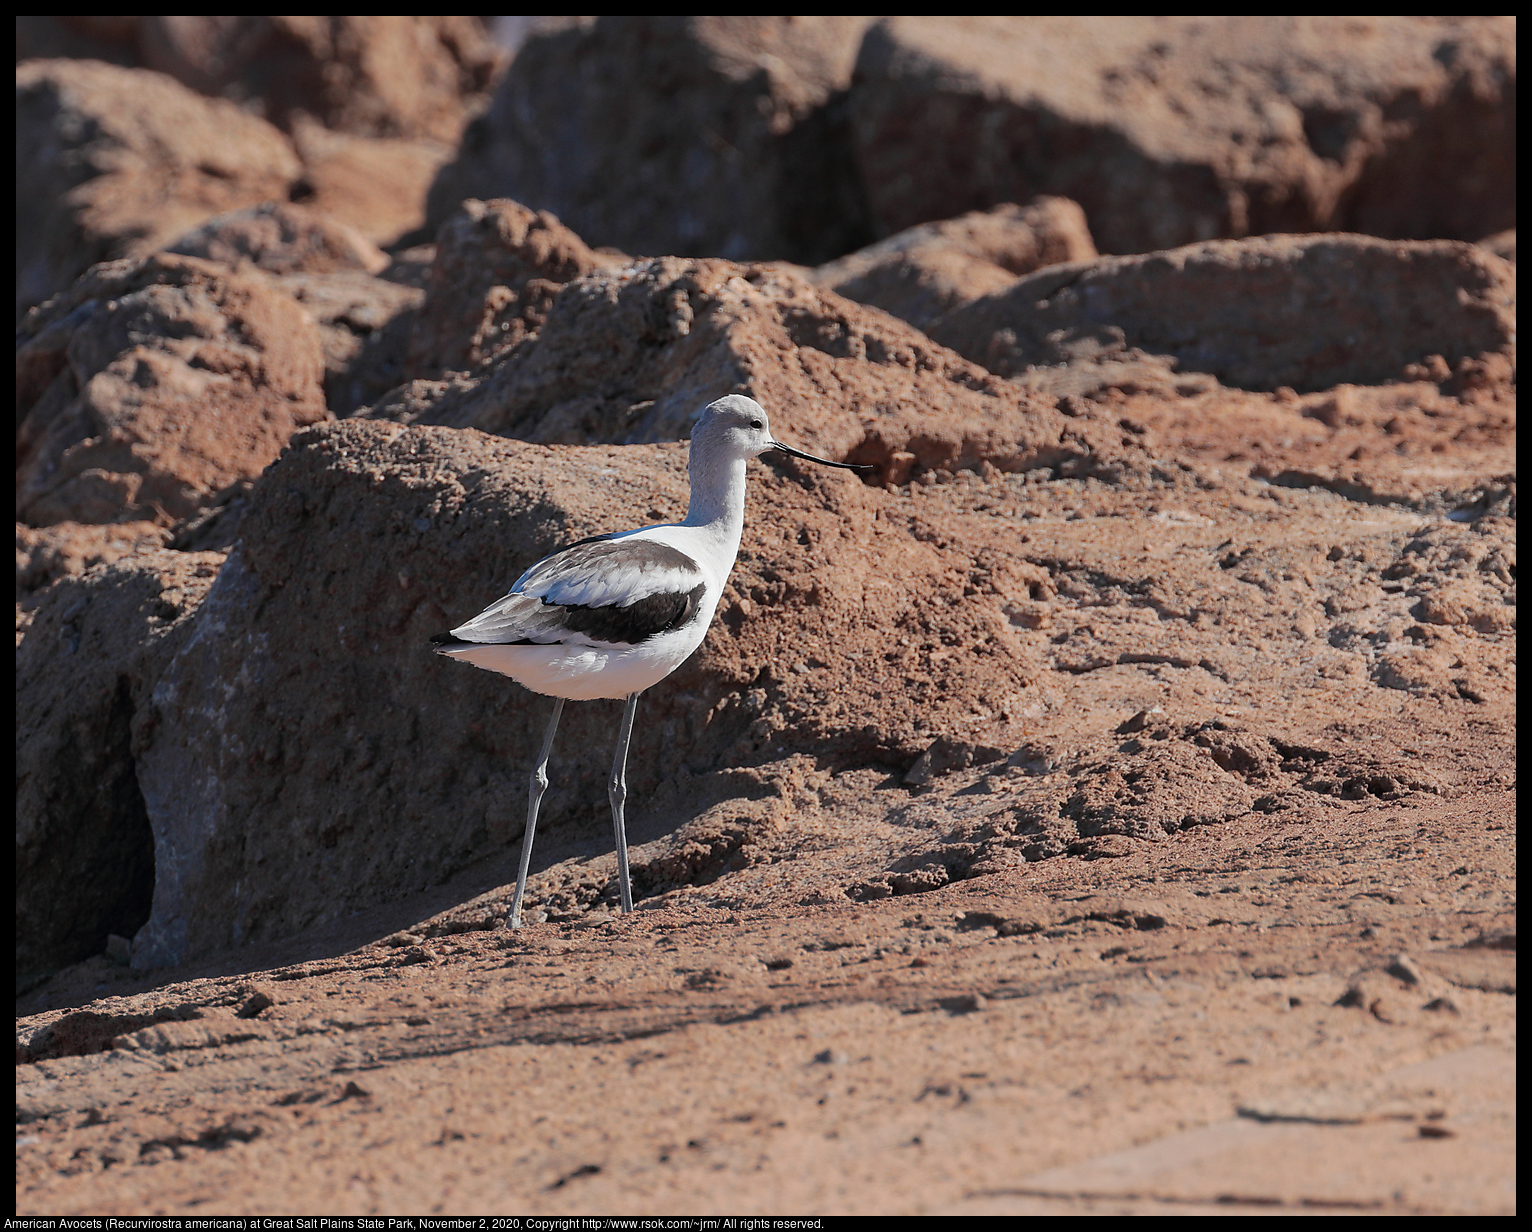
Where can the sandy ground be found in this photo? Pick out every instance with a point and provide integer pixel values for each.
(1305, 1005)
(1209, 1022)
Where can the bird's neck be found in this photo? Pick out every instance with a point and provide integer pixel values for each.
(718, 499)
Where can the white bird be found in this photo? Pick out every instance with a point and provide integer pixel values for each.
(612, 615)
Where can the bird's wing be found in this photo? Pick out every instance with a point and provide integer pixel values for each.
(610, 572)
(602, 591)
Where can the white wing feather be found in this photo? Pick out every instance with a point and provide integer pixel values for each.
(603, 573)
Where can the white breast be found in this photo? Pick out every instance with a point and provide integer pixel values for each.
(584, 672)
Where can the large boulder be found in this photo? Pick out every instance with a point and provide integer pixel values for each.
(393, 75)
(1304, 311)
(151, 385)
(85, 862)
(304, 754)
(1170, 130)
(376, 184)
(344, 281)
(719, 136)
(374, 105)
(631, 354)
(281, 238)
(498, 266)
(926, 271)
(381, 76)
(115, 162)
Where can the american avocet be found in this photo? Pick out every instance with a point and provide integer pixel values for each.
(612, 615)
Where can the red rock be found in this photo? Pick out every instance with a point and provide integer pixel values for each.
(1307, 312)
(151, 385)
(1170, 130)
(928, 270)
(115, 162)
(700, 135)
(863, 627)
(46, 553)
(377, 185)
(84, 848)
(281, 239)
(497, 267)
(310, 822)
(1248, 694)
(630, 354)
(374, 105)
(381, 76)
(1502, 244)
(365, 326)
(364, 321)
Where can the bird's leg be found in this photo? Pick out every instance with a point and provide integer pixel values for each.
(617, 789)
(534, 798)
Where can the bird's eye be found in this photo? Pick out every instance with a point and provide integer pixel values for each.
(755, 423)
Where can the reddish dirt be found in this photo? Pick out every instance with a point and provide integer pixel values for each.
(728, 1049)
(153, 385)
(868, 991)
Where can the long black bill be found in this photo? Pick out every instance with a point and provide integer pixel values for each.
(798, 453)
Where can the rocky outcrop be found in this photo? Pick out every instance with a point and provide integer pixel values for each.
(281, 238)
(631, 354)
(374, 105)
(390, 75)
(153, 384)
(718, 136)
(114, 162)
(363, 326)
(1091, 603)
(926, 271)
(377, 185)
(1119, 732)
(379, 76)
(365, 309)
(1307, 312)
(276, 802)
(497, 267)
(85, 861)
(1170, 130)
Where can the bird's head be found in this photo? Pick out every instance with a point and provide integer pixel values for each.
(737, 426)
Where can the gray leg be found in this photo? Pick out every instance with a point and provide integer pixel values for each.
(617, 789)
(534, 798)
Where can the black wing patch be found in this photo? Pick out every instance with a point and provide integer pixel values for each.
(638, 622)
(579, 593)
